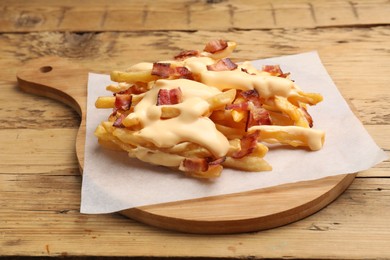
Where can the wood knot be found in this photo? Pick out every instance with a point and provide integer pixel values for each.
(28, 20)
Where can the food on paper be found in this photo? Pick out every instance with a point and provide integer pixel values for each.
(201, 112)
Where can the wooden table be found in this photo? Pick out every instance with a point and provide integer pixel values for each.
(39, 176)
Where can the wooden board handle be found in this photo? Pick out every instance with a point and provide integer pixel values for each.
(59, 79)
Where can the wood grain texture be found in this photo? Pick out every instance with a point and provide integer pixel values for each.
(40, 188)
(71, 15)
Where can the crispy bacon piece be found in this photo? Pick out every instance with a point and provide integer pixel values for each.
(244, 106)
(162, 70)
(183, 73)
(257, 116)
(275, 70)
(123, 100)
(248, 144)
(215, 46)
(223, 64)
(307, 116)
(118, 121)
(217, 161)
(251, 95)
(200, 164)
(195, 165)
(165, 70)
(169, 96)
(186, 54)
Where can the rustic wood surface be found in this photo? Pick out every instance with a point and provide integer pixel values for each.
(39, 176)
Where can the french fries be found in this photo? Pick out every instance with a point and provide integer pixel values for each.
(202, 112)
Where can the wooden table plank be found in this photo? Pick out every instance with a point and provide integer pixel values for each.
(341, 230)
(72, 15)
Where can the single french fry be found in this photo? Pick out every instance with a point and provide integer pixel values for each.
(108, 144)
(238, 116)
(122, 86)
(169, 112)
(132, 76)
(308, 98)
(219, 101)
(248, 163)
(278, 118)
(291, 135)
(105, 102)
(292, 111)
(212, 172)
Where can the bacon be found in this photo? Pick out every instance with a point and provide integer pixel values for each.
(257, 116)
(165, 70)
(169, 96)
(221, 65)
(215, 46)
(122, 100)
(195, 165)
(183, 73)
(162, 70)
(186, 54)
(200, 164)
(217, 161)
(307, 116)
(248, 145)
(244, 106)
(275, 70)
(118, 121)
(251, 95)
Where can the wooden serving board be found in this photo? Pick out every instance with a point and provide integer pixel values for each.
(255, 210)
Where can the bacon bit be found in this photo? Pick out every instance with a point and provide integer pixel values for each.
(244, 106)
(275, 70)
(118, 121)
(223, 64)
(215, 46)
(186, 54)
(169, 96)
(165, 70)
(257, 116)
(183, 73)
(248, 145)
(195, 165)
(218, 161)
(307, 116)
(200, 164)
(123, 101)
(162, 70)
(251, 95)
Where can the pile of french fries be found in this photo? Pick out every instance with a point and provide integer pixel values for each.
(232, 120)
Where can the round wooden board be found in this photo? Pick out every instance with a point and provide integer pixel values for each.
(255, 210)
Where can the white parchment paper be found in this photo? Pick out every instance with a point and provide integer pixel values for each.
(112, 181)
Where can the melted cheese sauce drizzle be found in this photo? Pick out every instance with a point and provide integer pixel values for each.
(190, 125)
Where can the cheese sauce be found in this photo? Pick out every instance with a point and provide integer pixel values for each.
(190, 125)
